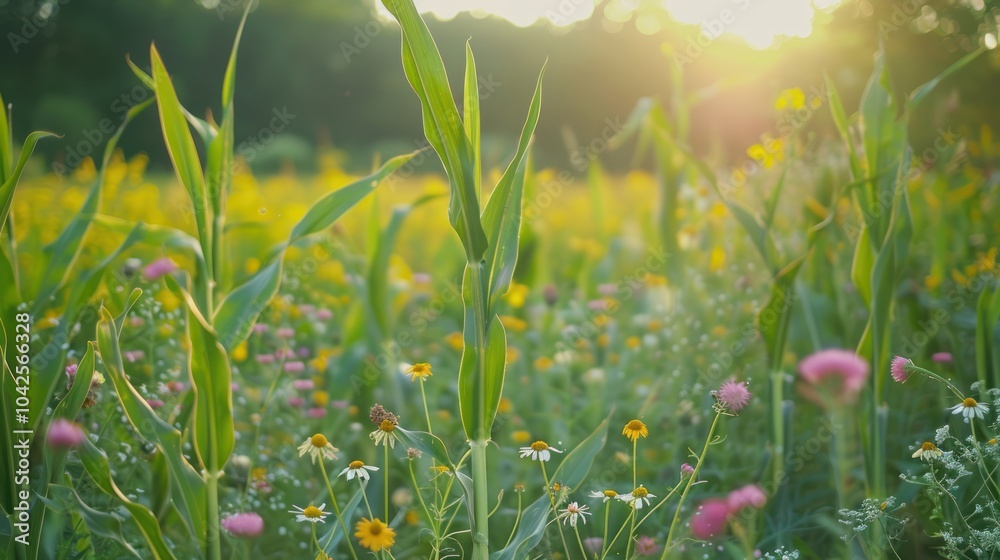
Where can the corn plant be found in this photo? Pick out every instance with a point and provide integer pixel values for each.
(489, 236)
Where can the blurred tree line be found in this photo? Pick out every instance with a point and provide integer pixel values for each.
(327, 72)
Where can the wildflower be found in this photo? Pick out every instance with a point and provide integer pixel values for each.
(898, 369)
(357, 469)
(155, 403)
(421, 371)
(634, 429)
(374, 535)
(312, 514)
(646, 546)
(318, 446)
(605, 495)
(63, 434)
(686, 470)
(843, 365)
(385, 434)
(575, 512)
(303, 384)
(294, 367)
(710, 519)
(539, 451)
(732, 395)
(749, 496)
(927, 452)
(245, 525)
(941, 357)
(637, 498)
(969, 408)
(285, 332)
(159, 268)
(413, 453)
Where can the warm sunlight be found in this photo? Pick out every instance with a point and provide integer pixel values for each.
(761, 23)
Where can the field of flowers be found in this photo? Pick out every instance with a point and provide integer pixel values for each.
(793, 356)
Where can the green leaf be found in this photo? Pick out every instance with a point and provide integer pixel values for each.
(862, 264)
(378, 271)
(571, 472)
(65, 499)
(924, 90)
(475, 391)
(63, 252)
(774, 318)
(328, 209)
(987, 315)
(211, 383)
(502, 215)
(470, 115)
(239, 311)
(333, 537)
(188, 488)
(442, 123)
(6, 147)
(840, 120)
(427, 443)
(10, 183)
(97, 466)
(182, 151)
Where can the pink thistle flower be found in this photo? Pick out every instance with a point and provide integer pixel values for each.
(71, 370)
(749, 496)
(646, 546)
(845, 365)
(285, 332)
(303, 384)
(265, 358)
(260, 328)
(302, 351)
(294, 367)
(154, 403)
(296, 401)
(159, 268)
(686, 470)
(733, 395)
(941, 357)
(324, 314)
(175, 386)
(316, 412)
(306, 308)
(244, 525)
(898, 369)
(284, 353)
(63, 434)
(710, 519)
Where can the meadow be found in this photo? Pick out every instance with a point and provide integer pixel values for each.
(790, 355)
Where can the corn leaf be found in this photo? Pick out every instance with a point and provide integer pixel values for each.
(442, 124)
(9, 184)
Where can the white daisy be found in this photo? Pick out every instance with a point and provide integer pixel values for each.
(538, 451)
(574, 512)
(312, 514)
(927, 452)
(605, 495)
(317, 447)
(637, 498)
(357, 469)
(970, 409)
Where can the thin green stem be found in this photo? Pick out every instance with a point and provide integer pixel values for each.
(555, 510)
(385, 476)
(212, 491)
(625, 523)
(937, 378)
(364, 495)
(427, 414)
(336, 510)
(660, 503)
(604, 537)
(687, 487)
(579, 541)
(517, 520)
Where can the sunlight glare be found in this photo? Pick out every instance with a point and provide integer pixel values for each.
(761, 23)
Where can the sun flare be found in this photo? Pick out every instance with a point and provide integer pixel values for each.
(761, 23)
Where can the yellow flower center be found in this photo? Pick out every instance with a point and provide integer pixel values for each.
(635, 426)
(610, 493)
(318, 440)
(387, 425)
(640, 493)
(312, 512)
(969, 403)
(356, 465)
(375, 528)
(928, 446)
(539, 446)
(993, 441)
(422, 370)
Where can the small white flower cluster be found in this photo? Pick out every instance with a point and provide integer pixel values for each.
(870, 510)
(781, 554)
